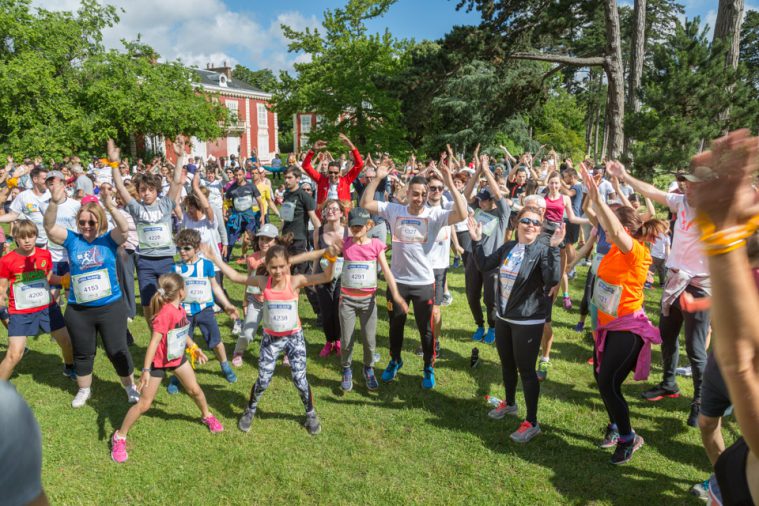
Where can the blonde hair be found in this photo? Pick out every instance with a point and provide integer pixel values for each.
(97, 210)
(169, 286)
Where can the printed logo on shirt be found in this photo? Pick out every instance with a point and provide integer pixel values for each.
(31, 276)
(90, 258)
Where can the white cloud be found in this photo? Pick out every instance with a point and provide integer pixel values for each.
(201, 31)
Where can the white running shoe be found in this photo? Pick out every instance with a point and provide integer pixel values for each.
(81, 397)
(686, 371)
(133, 396)
(502, 410)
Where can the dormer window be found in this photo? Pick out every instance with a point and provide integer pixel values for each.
(222, 80)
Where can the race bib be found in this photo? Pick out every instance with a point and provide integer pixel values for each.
(176, 341)
(253, 290)
(31, 294)
(360, 274)
(595, 263)
(91, 286)
(154, 235)
(411, 229)
(606, 297)
(287, 211)
(197, 290)
(243, 203)
(489, 222)
(281, 315)
(338, 266)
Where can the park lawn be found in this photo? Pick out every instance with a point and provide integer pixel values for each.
(400, 445)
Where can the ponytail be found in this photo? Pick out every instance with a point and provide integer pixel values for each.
(642, 231)
(651, 229)
(169, 286)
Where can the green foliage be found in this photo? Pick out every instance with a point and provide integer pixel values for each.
(684, 95)
(749, 50)
(560, 124)
(342, 82)
(263, 79)
(62, 93)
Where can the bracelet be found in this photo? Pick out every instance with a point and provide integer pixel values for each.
(329, 258)
(113, 165)
(146, 369)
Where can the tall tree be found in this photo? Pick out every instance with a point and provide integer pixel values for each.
(263, 79)
(728, 29)
(637, 54)
(342, 82)
(749, 51)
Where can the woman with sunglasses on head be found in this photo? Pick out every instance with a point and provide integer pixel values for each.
(624, 334)
(526, 267)
(95, 304)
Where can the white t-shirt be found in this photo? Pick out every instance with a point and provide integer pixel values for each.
(66, 218)
(440, 255)
(214, 192)
(209, 234)
(103, 175)
(31, 207)
(413, 238)
(604, 189)
(659, 247)
(686, 254)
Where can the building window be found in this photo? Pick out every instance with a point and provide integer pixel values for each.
(233, 106)
(305, 123)
(263, 116)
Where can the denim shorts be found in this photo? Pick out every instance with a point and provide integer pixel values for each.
(149, 269)
(45, 321)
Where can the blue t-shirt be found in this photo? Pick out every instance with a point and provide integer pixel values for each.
(197, 285)
(94, 281)
(603, 245)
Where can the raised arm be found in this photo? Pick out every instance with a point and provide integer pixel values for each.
(120, 233)
(495, 190)
(176, 182)
(307, 166)
(648, 190)
(114, 156)
(205, 206)
(459, 211)
(367, 199)
(615, 232)
(55, 233)
(358, 163)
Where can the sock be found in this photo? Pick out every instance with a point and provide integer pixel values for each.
(566, 295)
(545, 359)
(627, 437)
(118, 436)
(68, 366)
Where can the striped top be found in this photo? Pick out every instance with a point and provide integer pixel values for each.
(197, 279)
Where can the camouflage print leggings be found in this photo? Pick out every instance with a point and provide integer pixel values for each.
(294, 346)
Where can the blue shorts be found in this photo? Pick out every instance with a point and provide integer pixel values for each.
(60, 269)
(45, 321)
(209, 329)
(149, 269)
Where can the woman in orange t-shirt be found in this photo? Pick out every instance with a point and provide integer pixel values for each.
(624, 331)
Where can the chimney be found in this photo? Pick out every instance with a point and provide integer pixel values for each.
(225, 69)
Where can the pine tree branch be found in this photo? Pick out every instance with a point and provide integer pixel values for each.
(558, 58)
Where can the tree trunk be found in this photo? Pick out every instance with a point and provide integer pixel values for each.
(598, 129)
(637, 54)
(728, 27)
(616, 79)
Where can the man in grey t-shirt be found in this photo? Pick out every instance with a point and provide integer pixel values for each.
(82, 182)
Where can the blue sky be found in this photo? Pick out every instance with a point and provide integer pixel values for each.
(248, 32)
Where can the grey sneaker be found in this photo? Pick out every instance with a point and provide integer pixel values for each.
(502, 410)
(525, 432)
(246, 420)
(312, 423)
(81, 397)
(347, 383)
(237, 328)
(133, 396)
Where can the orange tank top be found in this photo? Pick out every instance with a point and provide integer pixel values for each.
(280, 310)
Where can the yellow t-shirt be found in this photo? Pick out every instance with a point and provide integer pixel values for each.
(265, 191)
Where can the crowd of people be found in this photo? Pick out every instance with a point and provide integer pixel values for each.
(82, 232)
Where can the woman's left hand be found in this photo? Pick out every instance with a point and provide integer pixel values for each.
(558, 236)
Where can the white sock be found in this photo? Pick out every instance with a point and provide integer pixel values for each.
(545, 359)
(85, 390)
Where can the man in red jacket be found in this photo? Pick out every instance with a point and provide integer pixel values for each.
(333, 185)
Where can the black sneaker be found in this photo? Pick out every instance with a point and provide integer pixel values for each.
(695, 409)
(312, 423)
(475, 360)
(246, 420)
(611, 438)
(624, 451)
(658, 393)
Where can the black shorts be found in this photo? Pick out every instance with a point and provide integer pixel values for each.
(440, 275)
(714, 396)
(549, 308)
(573, 233)
(549, 227)
(160, 372)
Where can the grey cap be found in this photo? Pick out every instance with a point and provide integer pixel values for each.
(358, 217)
(55, 173)
(700, 174)
(268, 230)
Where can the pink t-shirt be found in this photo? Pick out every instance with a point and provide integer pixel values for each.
(353, 252)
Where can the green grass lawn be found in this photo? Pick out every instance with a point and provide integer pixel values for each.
(399, 445)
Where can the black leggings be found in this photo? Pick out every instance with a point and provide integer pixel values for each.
(620, 356)
(586, 294)
(85, 323)
(480, 285)
(329, 298)
(518, 347)
(422, 298)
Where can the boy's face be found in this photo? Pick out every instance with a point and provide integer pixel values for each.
(26, 244)
(187, 253)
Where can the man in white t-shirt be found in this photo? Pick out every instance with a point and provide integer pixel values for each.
(687, 271)
(414, 230)
(31, 205)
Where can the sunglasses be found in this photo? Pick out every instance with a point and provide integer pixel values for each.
(435, 188)
(528, 221)
(91, 223)
(186, 248)
(331, 173)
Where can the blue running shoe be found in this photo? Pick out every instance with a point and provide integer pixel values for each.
(490, 336)
(228, 373)
(579, 327)
(173, 387)
(371, 379)
(392, 370)
(477, 336)
(428, 382)
(347, 383)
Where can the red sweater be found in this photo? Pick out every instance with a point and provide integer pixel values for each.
(322, 180)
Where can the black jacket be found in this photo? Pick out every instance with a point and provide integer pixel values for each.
(540, 271)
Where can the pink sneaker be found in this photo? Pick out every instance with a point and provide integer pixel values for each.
(326, 350)
(118, 449)
(336, 347)
(237, 360)
(567, 303)
(213, 424)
